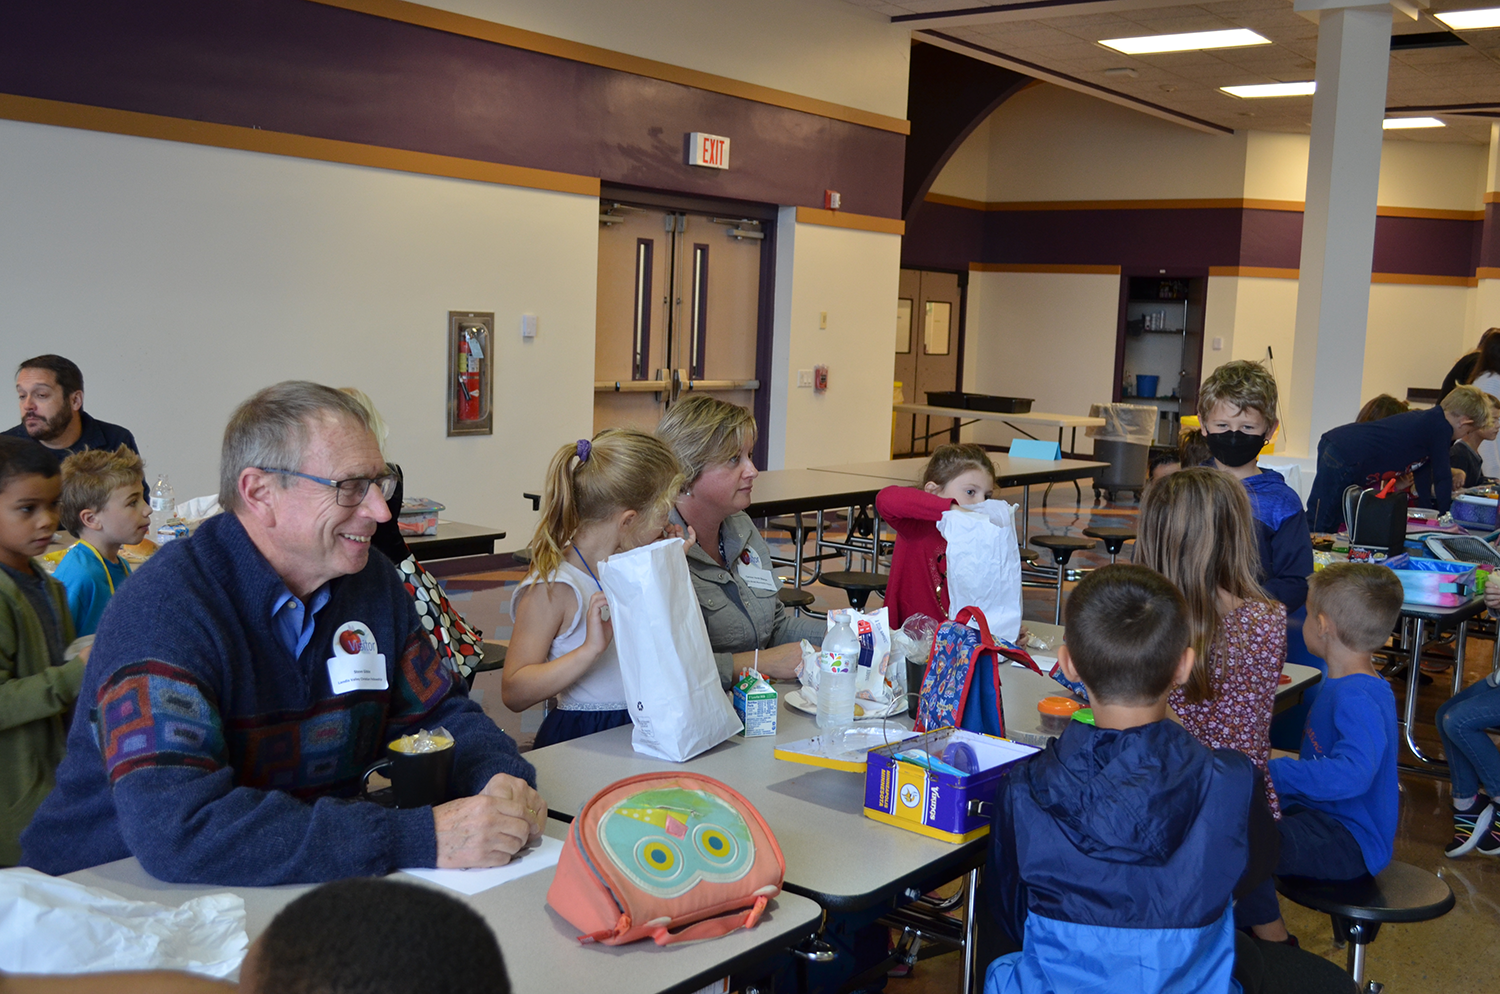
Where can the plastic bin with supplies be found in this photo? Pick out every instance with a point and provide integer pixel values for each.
(419, 516)
(1123, 441)
(1435, 582)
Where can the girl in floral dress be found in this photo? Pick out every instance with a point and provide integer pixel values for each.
(1197, 530)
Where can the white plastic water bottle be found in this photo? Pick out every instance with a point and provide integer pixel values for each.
(836, 664)
(163, 504)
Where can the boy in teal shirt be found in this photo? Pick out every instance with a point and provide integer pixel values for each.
(102, 507)
(36, 686)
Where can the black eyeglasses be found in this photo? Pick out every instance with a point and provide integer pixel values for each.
(350, 492)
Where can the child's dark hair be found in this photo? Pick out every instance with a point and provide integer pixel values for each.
(25, 457)
(1382, 405)
(364, 936)
(1126, 630)
(1192, 448)
(948, 461)
(1360, 600)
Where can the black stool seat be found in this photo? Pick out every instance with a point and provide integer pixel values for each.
(522, 556)
(795, 597)
(1029, 555)
(1114, 539)
(1062, 547)
(1401, 893)
(858, 586)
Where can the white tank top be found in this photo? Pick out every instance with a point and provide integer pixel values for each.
(601, 688)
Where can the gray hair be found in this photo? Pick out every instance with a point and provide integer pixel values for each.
(272, 430)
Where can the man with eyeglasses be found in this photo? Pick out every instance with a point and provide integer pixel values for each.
(245, 679)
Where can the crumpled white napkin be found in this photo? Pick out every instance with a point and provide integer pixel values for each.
(51, 925)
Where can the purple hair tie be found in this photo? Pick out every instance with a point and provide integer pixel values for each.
(584, 448)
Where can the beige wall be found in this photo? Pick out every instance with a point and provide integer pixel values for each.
(183, 278)
(1041, 335)
(967, 173)
(1048, 143)
(826, 49)
(1413, 335)
(851, 275)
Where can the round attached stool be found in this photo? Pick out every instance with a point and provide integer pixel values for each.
(1114, 539)
(797, 598)
(1028, 557)
(1062, 548)
(858, 586)
(522, 556)
(1400, 893)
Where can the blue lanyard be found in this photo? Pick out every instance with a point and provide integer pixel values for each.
(586, 566)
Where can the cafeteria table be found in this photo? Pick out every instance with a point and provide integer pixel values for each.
(798, 491)
(1420, 616)
(541, 950)
(964, 416)
(454, 538)
(834, 854)
(1009, 472)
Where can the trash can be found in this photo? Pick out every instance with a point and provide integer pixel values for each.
(1123, 441)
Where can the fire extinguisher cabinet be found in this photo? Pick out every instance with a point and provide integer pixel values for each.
(471, 341)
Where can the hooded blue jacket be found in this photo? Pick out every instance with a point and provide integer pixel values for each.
(1114, 857)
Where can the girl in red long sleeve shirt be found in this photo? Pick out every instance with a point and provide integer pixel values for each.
(956, 474)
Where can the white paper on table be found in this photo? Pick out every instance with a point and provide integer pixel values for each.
(199, 508)
(51, 925)
(470, 882)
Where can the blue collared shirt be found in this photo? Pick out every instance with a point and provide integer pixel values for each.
(294, 620)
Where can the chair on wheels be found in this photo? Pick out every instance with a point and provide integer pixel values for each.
(857, 586)
(1062, 548)
(1399, 893)
(1114, 539)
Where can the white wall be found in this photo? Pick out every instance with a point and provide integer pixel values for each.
(182, 278)
(1041, 335)
(853, 276)
(1413, 336)
(826, 49)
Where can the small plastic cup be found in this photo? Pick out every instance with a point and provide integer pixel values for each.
(1085, 715)
(1055, 713)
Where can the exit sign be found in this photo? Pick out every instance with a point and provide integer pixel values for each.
(708, 150)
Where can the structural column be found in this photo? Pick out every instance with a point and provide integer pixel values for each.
(1338, 224)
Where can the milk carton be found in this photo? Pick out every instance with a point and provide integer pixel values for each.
(755, 703)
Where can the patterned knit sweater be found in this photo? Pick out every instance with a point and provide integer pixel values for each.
(203, 748)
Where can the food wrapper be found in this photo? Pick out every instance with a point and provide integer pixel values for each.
(424, 741)
(52, 925)
(876, 680)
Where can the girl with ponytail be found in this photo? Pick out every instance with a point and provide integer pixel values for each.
(601, 497)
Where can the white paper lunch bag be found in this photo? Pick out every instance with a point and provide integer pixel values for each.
(984, 564)
(671, 683)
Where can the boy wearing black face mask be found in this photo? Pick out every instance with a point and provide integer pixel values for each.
(1237, 411)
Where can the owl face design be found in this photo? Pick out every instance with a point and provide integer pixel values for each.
(665, 841)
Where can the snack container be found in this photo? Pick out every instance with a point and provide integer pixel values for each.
(933, 803)
(755, 702)
(1055, 713)
(1476, 512)
(419, 516)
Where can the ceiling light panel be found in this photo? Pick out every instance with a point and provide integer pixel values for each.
(1303, 89)
(1192, 41)
(1470, 20)
(1399, 123)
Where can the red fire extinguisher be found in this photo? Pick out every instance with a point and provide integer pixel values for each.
(470, 361)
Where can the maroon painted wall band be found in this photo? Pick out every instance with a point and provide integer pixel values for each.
(310, 69)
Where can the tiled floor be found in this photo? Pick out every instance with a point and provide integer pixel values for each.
(1455, 954)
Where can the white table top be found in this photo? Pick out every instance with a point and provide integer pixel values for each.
(541, 950)
(833, 852)
(1030, 417)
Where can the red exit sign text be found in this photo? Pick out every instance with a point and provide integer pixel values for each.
(708, 150)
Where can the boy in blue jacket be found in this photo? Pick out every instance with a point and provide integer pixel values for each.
(1116, 851)
(1339, 799)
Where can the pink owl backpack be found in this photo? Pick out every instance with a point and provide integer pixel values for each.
(670, 856)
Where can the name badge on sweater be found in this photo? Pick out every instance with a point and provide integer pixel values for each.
(356, 663)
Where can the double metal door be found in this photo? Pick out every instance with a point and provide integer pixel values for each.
(928, 343)
(678, 311)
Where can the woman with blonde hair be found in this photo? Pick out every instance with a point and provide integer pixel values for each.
(603, 495)
(1196, 530)
(731, 564)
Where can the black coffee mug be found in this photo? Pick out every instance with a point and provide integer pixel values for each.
(418, 779)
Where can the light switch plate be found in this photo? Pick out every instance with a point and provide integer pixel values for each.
(1218, 344)
(804, 378)
(528, 325)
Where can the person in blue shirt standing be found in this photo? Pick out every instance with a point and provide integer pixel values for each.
(103, 507)
(1339, 798)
